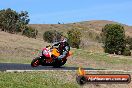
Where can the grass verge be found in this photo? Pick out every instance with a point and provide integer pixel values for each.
(36, 80)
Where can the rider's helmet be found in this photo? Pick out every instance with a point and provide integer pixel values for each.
(63, 39)
(63, 43)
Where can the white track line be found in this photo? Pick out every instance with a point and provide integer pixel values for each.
(35, 70)
(67, 70)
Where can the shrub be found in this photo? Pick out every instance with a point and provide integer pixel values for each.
(30, 32)
(127, 51)
(113, 38)
(98, 38)
(74, 38)
(130, 47)
(52, 36)
(129, 42)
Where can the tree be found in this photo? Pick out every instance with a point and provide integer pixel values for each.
(74, 38)
(12, 21)
(23, 19)
(114, 38)
(8, 18)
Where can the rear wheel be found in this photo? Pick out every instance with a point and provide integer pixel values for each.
(35, 62)
(59, 63)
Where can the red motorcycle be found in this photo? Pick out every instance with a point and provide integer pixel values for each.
(52, 61)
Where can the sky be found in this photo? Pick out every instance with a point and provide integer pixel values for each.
(70, 11)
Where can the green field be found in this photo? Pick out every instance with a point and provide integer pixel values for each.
(37, 80)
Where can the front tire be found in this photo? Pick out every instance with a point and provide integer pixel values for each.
(35, 62)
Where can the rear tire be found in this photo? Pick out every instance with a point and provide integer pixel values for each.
(35, 62)
(58, 63)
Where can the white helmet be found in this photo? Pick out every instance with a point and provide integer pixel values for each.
(64, 40)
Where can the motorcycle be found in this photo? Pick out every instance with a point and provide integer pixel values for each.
(52, 61)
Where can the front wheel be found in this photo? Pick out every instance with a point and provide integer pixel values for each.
(35, 62)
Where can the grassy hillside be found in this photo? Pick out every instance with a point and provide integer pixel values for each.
(86, 27)
(20, 49)
(17, 48)
(90, 31)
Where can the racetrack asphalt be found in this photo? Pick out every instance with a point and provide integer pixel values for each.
(13, 67)
(18, 66)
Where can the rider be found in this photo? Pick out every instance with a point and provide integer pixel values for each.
(63, 47)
